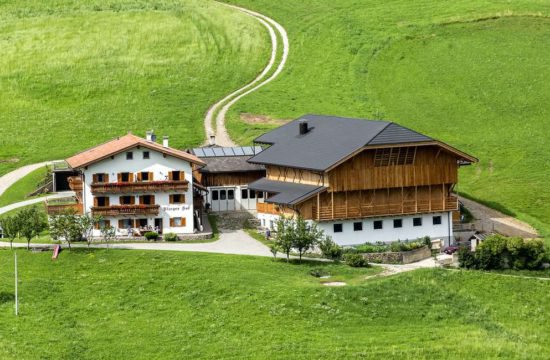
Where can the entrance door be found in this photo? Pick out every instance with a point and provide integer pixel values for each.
(231, 199)
(158, 225)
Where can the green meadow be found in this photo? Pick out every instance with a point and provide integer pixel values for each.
(77, 73)
(470, 73)
(116, 304)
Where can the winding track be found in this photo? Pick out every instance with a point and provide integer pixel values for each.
(273, 27)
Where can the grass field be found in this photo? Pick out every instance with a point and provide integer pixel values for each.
(479, 83)
(143, 305)
(75, 73)
(19, 190)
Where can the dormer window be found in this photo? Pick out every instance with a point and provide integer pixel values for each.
(129, 155)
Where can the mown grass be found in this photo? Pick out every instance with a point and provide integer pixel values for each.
(478, 85)
(134, 304)
(76, 73)
(20, 189)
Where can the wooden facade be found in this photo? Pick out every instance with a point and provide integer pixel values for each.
(375, 182)
(230, 179)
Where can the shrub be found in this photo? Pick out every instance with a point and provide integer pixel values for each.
(170, 237)
(466, 258)
(355, 260)
(319, 272)
(330, 249)
(151, 235)
(369, 248)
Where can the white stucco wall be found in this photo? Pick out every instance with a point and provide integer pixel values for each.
(160, 166)
(387, 234)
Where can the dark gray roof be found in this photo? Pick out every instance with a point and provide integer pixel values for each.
(329, 140)
(217, 151)
(229, 164)
(285, 192)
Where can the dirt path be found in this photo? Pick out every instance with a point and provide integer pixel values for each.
(490, 220)
(273, 27)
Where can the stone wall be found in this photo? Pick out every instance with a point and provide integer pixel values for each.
(402, 257)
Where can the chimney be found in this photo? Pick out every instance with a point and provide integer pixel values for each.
(212, 140)
(149, 135)
(165, 141)
(303, 125)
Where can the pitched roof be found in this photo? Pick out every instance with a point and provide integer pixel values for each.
(124, 143)
(227, 159)
(330, 139)
(285, 192)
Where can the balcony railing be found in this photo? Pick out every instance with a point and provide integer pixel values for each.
(116, 210)
(266, 208)
(63, 206)
(138, 187)
(339, 212)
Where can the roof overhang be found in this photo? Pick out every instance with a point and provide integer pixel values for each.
(286, 193)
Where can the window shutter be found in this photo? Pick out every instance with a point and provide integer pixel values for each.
(106, 178)
(139, 176)
(183, 221)
(132, 200)
(94, 178)
(152, 199)
(107, 224)
(119, 177)
(141, 199)
(171, 199)
(182, 198)
(121, 224)
(107, 202)
(150, 176)
(95, 200)
(171, 222)
(96, 225)
(182, 175)
(171, 175)
(131, 177)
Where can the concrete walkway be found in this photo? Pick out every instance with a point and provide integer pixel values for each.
(12, 177)
(273, 27)
(38, 200)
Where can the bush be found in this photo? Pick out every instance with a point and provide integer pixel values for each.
(355, 260)
(330, 249)
(499, 252)
(151, 235)
(369, 248)
(169, 237)
(319, 272)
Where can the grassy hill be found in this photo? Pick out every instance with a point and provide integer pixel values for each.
(471, 73)
(74, 73)
(115, 304)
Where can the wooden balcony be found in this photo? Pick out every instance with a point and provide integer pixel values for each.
(140, 187)
(132, 210)
(341, 212)
(266, 208)
(63, 206)
(75, 183)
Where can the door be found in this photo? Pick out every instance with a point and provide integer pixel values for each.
(158, 225)
(231, 199)
(215, 203)
(223, 199)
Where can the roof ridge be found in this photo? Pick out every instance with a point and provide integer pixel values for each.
(378, 133)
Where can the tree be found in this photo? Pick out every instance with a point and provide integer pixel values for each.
(305, 236)
(107, 233)
(11, 226)
(67, 226)
(284, 236)
(32, 222)
(330, 249)
(87, 223)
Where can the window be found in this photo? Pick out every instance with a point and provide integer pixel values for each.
(147, 200)
(222, 195)
(176, 175)
(214, 195)
(141, 223)
(102, 224)
(394, 156)
(146, 155)
(127, 200)
(101, 201)
(338, 228)
(252, 194)
(437, 220)
(397, 223)
(357, 226)
(377, 224)
(145, 176)
(417, 221)
(125, 177)
(129, 155)
(125, 223)
(177, 199)
(244, 193)
(260, 195)
(230, 194)
(177, 222)
(100, 178)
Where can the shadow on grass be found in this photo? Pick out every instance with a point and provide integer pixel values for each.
(6, 297)
(492, 204)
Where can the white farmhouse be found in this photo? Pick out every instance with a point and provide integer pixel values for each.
(135, 185)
